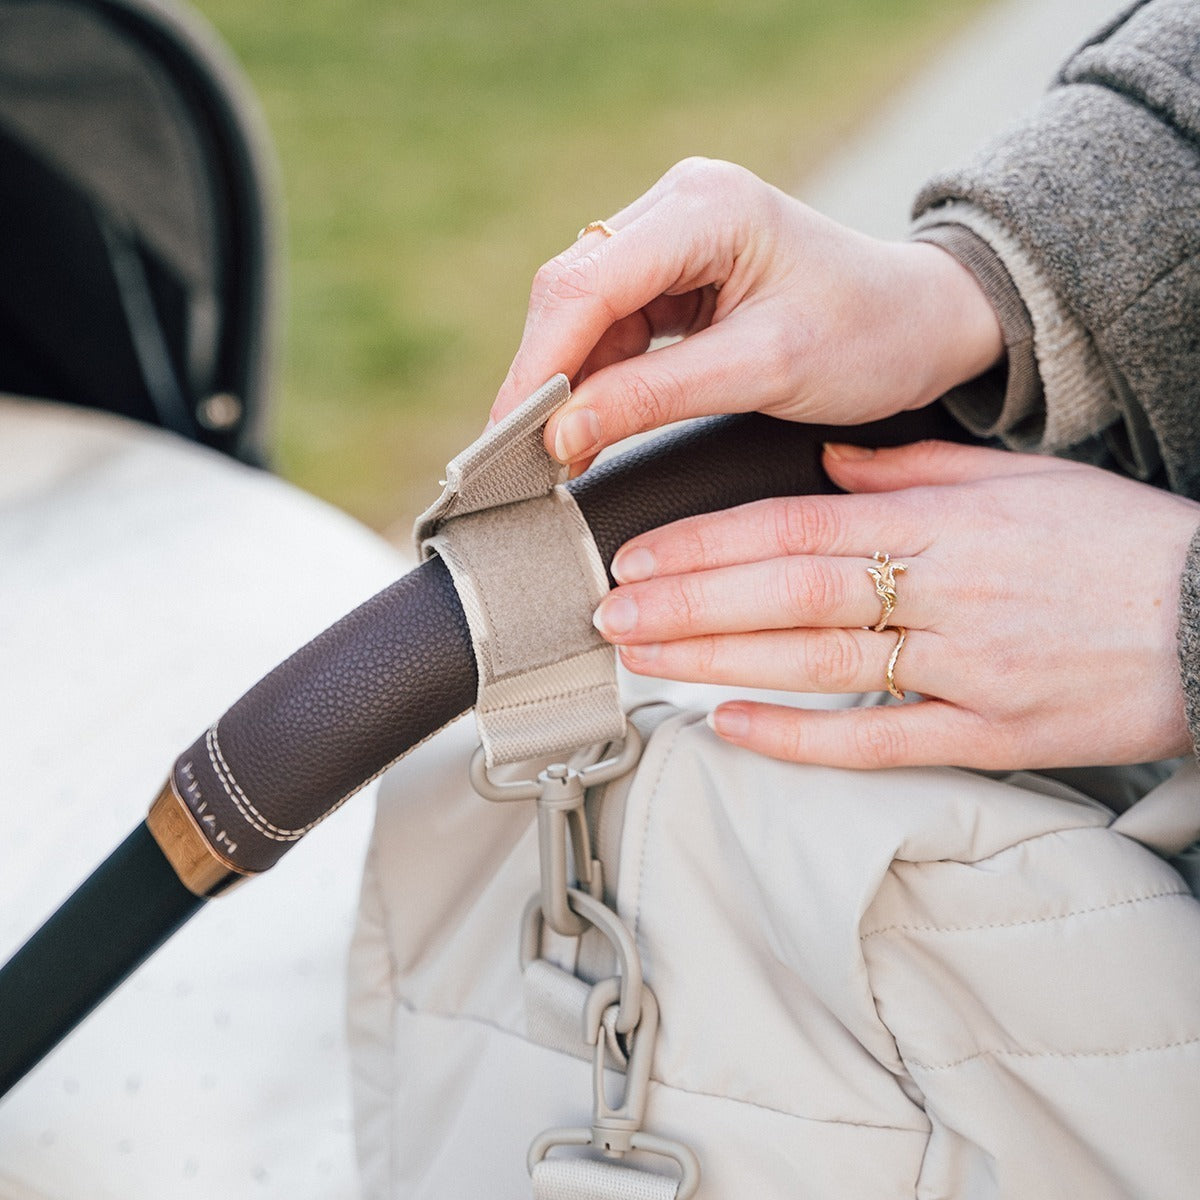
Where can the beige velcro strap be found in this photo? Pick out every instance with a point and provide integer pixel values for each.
(529, 577)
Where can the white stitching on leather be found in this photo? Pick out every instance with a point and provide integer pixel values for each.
(241, 801)
(288, 835)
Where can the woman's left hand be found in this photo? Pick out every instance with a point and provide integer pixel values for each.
(1040, 599)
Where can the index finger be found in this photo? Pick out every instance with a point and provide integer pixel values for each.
(544, 352)
(577, 299)
(840, 525)
(673, 239)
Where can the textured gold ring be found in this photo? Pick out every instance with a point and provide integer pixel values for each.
(884, 576)
(596, 227)
(890, 673)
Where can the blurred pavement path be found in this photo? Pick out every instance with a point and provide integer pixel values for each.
(993, 70)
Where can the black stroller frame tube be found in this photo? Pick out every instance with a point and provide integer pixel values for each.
(114, 920)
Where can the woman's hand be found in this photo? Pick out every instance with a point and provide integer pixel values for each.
(779, 310)
(1040, 599)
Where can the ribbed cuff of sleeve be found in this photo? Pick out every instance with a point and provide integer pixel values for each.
(1072, 401)
(1009, 396)
(1189, 639)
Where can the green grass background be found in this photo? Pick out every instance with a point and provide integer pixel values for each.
(435, 152)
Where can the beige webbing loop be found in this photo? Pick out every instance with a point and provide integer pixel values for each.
(529, 577)
(590, 1179)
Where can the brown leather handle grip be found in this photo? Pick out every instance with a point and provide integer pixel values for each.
(396, 669)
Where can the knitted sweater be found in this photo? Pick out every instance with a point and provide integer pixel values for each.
(1082, 224)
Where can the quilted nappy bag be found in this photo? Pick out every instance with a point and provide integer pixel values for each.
(679, 969)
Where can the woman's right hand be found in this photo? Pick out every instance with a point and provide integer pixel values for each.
(779, 310)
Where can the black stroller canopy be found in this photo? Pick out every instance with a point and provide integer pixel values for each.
(134, 220)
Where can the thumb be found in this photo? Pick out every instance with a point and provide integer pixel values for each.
(924, 464)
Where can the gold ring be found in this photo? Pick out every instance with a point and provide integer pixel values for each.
(596, 227)
(885, 586)
(890, 673)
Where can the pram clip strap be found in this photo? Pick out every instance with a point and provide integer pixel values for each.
(529, 577)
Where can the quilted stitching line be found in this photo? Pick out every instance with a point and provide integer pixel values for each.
(1123, 1052)
(1076, 912)
(645, 831)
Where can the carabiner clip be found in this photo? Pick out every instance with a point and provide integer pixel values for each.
(628, 983)
(560, 791)
(612, 1127)
(614, 766)
(616, 1131)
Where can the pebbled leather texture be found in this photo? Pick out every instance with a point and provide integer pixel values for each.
(330, 718)
(395, 670)
(721, 462)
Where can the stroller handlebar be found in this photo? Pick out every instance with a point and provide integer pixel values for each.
(342, 709)
(395, 670)
(356, 698)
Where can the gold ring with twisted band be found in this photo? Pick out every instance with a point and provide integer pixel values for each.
(884, 576)
(890, 673)
(596, 227)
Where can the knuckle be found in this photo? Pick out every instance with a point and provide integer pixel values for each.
(546, 274)
(707, 657)
(707, 187)
(791, 741)
(809, 589)
(698, 172)
(698, 547)
(650, 403)
(727, 176)
(779, 359)
(832, 660)
(574, 280)
(565, 279)
(685, 604)
(1013, 692)
(879, 741)
(690, 167)
(803, 524)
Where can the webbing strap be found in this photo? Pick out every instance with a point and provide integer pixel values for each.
(529, 577)
(554, 1000)
(591, 1179)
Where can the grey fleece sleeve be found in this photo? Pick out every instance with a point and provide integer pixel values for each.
(1189, 639)
(1088, 214)
(1098, 191)
(1056, 394)
(1007, 401)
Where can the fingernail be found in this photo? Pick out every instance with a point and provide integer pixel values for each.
(615, 616)
(844, 452)
(577, 433)
(729, 722)
(641, 656)
(633, 566)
